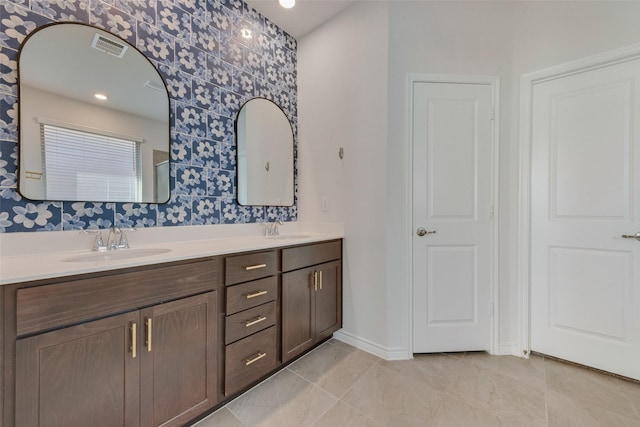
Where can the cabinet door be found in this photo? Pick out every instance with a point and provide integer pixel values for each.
(84, 375)
(328, 300)
(298, 312)
(177, 356)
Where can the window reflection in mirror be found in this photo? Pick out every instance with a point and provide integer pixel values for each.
(104, 144)
(265, 155)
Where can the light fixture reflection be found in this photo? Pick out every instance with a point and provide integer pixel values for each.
(287, 4)
(246, 33)
(100, 96)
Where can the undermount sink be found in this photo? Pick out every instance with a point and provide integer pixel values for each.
(116, 255)
(289, 236)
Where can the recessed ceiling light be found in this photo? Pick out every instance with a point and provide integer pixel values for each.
(287, 4)
(100, 96)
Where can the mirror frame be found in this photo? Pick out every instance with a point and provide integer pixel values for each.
(20, 149)
(293, 156)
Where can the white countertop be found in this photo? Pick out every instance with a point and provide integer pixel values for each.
(34, 256)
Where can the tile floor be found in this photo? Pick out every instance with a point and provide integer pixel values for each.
(337, 385)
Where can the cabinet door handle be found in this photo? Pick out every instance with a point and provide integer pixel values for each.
(256, 294)
(133, 340)
(320, 272)
(315, 280)
(255, 321)
(254, 267)
(147, 323)
(254, 359)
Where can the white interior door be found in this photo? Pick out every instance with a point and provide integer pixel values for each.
(452, 215)
(585, 277)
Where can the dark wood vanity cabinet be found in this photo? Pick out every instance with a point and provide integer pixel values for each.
(161, 345)
(251, 324)
(140, 365)
(178, 346)
(311, 296)
(271, 318)
(81, 375)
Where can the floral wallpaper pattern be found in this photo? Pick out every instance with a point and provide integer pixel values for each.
(210, 71)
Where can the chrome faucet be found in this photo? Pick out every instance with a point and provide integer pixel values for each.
(271, 228)
(113, 241)
(122, 242)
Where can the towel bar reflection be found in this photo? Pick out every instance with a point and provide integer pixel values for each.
(33, 175)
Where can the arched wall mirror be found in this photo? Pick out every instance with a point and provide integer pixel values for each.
(94, 119)
(265, 155)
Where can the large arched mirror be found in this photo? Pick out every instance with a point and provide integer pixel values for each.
(94, 119)
(265, 155)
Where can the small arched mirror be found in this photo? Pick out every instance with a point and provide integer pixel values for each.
(265, 155)
(94, 118)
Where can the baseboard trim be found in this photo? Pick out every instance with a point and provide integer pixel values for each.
(510, 349)
(399, 353)
(386, 353)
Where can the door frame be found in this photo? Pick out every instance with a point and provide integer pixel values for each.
(527, 82)
(494, 83)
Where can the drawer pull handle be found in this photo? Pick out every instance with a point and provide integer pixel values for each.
(255, 321)
(255, 267)
(256, 294)
(320, 272)
(133, 341)
(255, 359)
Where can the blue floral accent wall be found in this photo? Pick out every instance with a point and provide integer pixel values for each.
(210, 71)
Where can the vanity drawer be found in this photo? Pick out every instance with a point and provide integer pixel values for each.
(249, 322)
(242, 268)
(304, 256)
(72, 301)
(249, 359)
(251, 294)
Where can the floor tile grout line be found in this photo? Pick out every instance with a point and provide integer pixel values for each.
(447, 390)
(492, 368)
(319, 388)
(377, 360)
(274, 377)
(359, 378)
(324, 413)
(599, 378)
(341, 398)
(359, 411)
(468, 362)
(546, 395)
(343, 393)
(449, 395)
(306, 379)
(245, 393)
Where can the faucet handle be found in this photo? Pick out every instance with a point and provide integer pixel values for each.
(98, 244)
(124, 242)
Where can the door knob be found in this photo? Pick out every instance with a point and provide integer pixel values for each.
(421, 232)
(632, 236)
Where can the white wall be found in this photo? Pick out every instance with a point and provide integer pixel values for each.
(442, 38)
(548, 34)
(342, 93)
(505, 39)
(70, 111)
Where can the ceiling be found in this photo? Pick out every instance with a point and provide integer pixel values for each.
(76, 70)
(306, 16)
